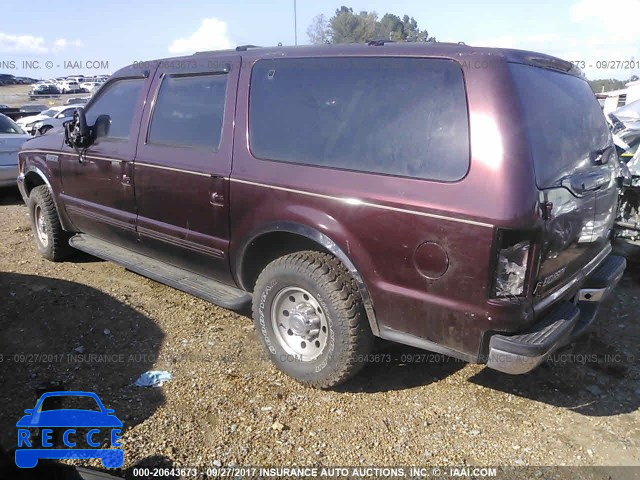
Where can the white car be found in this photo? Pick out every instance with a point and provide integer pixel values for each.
(90, 87)
(43, 126)
(29, 123)
(70, 86)
(11, 138)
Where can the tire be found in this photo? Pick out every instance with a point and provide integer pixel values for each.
(51, 239)
(310, 319)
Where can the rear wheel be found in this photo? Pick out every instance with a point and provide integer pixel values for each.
(310, 319)
(51, 239)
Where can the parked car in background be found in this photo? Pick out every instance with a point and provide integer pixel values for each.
(25, 80)
(33, 107)
(40, 90)
(11, 139)
(30, 123)
(70, 86)
(7, 79)
(392, 190)
(90, 87)
(77, 100)
(42, 126)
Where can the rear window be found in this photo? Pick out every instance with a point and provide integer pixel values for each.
(563, 120)
(397, 116)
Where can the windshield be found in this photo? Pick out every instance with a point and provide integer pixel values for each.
(8, 126)
(562, 118)
(49, 113)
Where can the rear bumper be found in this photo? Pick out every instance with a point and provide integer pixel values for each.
(521, 353)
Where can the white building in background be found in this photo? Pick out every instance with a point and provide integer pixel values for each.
(619, 98)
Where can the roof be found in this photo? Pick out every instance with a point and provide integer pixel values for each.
(421, 49)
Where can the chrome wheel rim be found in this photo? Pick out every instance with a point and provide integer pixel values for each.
(41, 226)
(299, 323)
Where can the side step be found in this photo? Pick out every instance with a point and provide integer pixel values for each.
(197, 285)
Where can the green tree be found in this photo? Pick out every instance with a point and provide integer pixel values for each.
(348, 27)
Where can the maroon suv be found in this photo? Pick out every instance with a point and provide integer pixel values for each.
(453, 198)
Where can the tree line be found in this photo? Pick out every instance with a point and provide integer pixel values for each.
(349, 27)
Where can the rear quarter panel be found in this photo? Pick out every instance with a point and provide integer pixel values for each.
(379, 221)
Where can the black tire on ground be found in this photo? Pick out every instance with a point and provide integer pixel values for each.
(323, 287)
(51, 239)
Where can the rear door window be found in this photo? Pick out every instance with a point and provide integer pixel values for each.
(189, 111)
(396, 116)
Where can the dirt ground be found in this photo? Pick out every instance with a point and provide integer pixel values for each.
(95, 326)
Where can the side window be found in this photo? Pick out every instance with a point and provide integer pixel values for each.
(118, 101)
(67, 112)
(396, 116)
(189, 111)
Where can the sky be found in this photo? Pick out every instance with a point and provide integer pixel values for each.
(89, 37)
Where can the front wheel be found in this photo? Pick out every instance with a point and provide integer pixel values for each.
(51, 239)
(310, 319)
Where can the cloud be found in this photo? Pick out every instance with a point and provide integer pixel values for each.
(29, 44)
(21, 44)
(610, 36)
(63, 43)
(613, 15)
(212, 35)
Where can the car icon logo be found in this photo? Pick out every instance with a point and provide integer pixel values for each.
(68, 422)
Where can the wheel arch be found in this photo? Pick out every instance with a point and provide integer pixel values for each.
(34, 177)
(281, 238)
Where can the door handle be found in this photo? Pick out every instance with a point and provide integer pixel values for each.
(126, 180)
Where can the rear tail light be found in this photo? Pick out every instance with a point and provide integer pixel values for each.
(512, 262)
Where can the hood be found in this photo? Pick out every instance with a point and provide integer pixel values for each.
(629, 113)
(31, 118)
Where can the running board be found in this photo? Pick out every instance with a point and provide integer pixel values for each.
(197, 285)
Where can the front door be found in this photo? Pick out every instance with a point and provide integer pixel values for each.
(183, 164)
(98, 190)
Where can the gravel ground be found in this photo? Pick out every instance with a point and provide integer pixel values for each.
(227, 406)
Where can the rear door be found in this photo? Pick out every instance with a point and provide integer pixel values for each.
(183, 165)
(574, 161)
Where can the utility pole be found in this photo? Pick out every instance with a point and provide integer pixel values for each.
(295, 23)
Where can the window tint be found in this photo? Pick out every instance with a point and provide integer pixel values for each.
(397, 116)
(118, 101)
(189, 111)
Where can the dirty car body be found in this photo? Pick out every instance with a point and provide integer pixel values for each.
(469, 224)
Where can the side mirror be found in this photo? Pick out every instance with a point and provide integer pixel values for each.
(76, 132)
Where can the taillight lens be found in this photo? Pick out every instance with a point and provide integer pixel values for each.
(511, 268)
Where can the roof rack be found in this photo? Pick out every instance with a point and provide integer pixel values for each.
(379, 43)
(244, 48)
